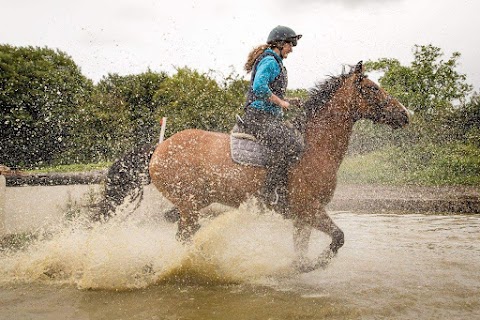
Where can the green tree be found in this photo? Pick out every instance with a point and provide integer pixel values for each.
(40, 90)
(134, 94)
(467, 120)
(193, 100)
(104, 132)
(429, 85)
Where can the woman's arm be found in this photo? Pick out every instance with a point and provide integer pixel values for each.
(267, 71)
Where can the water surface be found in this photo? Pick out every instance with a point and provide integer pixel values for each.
(239, 267)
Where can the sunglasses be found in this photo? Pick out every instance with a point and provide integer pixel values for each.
(292, 41)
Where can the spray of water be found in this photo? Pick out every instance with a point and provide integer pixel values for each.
(135, 251)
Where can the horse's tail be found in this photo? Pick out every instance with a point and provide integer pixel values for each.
(126, 177)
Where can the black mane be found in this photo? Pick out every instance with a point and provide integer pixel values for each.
(318, 97)
(323, 92)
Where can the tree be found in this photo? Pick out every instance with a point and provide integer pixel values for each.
(40, 90)
(136, 92)
(104, 132)
(193, 100)
(467, 120)
(429, 85)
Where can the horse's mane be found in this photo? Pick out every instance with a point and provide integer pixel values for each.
(318, 97)
(321, 94)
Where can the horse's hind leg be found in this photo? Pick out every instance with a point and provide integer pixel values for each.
(301, 237)
(187, 224)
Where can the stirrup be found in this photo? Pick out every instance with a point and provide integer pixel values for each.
(277, 197)
(239, 119)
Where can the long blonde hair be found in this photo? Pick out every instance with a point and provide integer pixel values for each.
(253, 55)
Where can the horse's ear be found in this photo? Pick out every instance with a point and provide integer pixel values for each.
(359, 73)
(359, 67)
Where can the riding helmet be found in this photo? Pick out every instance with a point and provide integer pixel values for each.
(282, 33)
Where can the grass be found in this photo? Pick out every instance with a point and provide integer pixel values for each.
(423, 164)
(72, 168)
(373, 167)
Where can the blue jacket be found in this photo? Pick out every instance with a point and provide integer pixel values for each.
(269, 76)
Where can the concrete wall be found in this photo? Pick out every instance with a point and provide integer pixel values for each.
(30, 208)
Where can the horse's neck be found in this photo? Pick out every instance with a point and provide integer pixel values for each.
(327, 136)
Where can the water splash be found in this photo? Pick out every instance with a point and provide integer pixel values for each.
(241, 246)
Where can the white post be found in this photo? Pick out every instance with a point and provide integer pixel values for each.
(3, 191)
(163, 123)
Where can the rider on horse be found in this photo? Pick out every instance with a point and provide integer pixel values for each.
(264, 112)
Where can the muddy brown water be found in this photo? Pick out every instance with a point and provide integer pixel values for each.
(392, 266)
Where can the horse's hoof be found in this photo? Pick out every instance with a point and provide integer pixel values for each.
(172, 215)
(303, 266)
(324, 259)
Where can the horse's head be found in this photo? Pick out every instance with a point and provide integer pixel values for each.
(374, 103)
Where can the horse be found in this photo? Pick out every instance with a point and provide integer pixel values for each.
(193, 168)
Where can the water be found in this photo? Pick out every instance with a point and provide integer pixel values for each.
(239, 267)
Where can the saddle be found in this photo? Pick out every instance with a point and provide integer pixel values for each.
(245, 149)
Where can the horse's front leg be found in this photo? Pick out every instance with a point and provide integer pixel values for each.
(322, 222)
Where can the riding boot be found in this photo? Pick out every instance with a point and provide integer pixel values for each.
(275, 190)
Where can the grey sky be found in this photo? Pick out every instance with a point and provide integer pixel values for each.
(129, 36)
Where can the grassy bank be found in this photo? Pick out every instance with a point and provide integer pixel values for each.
(72, 168)
(449, 164)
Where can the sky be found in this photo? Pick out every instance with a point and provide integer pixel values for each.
(215, 36)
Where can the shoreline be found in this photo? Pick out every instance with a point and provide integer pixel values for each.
(406, 198)
(347, 197)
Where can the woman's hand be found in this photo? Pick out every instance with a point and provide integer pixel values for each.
(296, 102)
(279, 102)
(285, 104)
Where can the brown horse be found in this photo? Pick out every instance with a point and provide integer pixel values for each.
(194, 169)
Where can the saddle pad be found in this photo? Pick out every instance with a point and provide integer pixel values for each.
(248, 152)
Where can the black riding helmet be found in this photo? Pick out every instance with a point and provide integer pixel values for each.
(282, 33)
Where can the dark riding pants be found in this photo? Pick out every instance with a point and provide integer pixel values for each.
(285, 145)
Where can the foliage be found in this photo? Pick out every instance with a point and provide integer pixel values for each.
(104, 116)
(40, 91)
(193, 100)
(467, 119)
(297, 93)
(431, 87)
(133, 94)
(121, 111)
(66, 168)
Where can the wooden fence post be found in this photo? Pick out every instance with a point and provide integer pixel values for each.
(163, 123)
(3, 191)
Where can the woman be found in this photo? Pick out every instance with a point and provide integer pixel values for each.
(264, 111)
